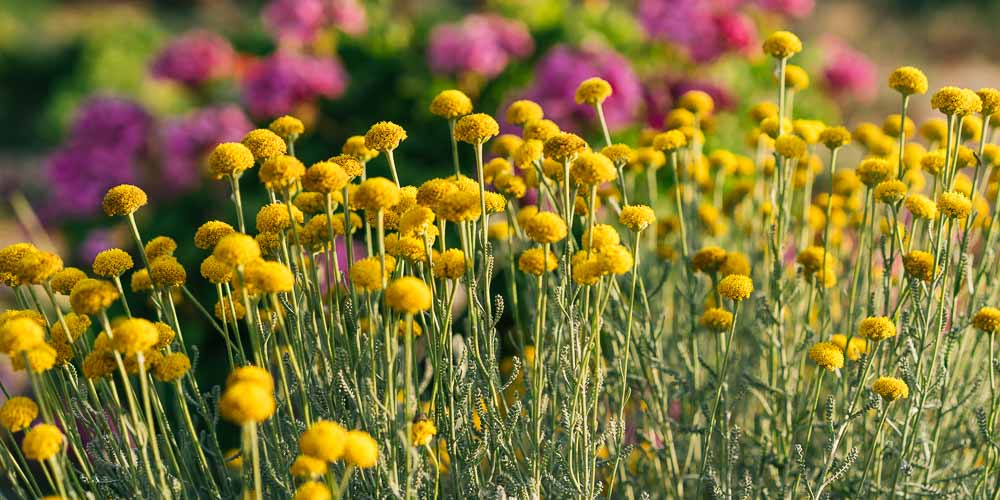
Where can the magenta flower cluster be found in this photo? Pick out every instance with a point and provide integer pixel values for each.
(279, 83)
(482, 44)
(300, 21)
(194, 58)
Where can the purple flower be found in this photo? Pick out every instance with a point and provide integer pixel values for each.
(80, 174)
(562, 69)
(186, 142)
(282, 81)
(112, 123)
(299, 21)
(661, 93)
(706, 29)
(481, 43)
(96, 241)
(194, 58)
(849, 73)
(792, 8)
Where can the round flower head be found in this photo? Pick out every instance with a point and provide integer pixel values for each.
(365, 273)
(523, 112)
(312, 490)
(355, 147)
(40, 359)
(539, 130)
(209, 234)
(422, 431)
(98, 364)
(955, 101)
(134, 335)
(352, 166)
(10, 260)
(112, 262)
(891, 388)
(167, 271)
(908, 80)
(593, 91)
(919, 265)
(450, 264)
(269, 276)
(306, 466)
(877, 328)
(890, 192)
(827, 355)
(954, 204)
(236, 249)
(273, 217)
(476, 128)
(43, 442)
(246, 402)
(790, 146)
(735, 263)
(21, 334)
(264, 144)
(671, 140)
(282, 172)
(890, 126)
(76, 324)
(140, 281)
(716, 319)
(835, 137)
(987, 320)
(990, 98)
(172, 367)
(708, 259)
(160, 246)
(90, 296)
(533, 261)
(811, 259)
(858, 346)
(17, 413)
(933, 162)
(698, 102)
(384, 136)
(288, 127)
(921, 206)
(323, 440)
(325, 177)
(615, 259)
(408, 295)
(451, 104)
(230, 158)
(252, 375)
(636, 217)
(602, 235)
(360, 450)
(772, 127)
(377, 193)
(505, 145)
(736, 287)
(564, 146)
(124, 199)
(796, 78)
(592, 169)
(64, 280)
(37, 267)
(872, 171)
(782, 44)
(545, 227)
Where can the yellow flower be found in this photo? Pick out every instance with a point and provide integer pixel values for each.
(384, 136)
(408, 295)
(505, 145)
(77, 324)
(253, 375)
(601, 236)
(246, 402)
(313, 203)
(533, 261)
(223, 312)
(524, 111)
(160, 246)
(124, 199)
(564, 146)
(790, 146)
(545, 227)
(619, 154)
(288, 127)
(954, 205)
(827, 355)
(773, 127)
(312, 490)
(377, 193)
(877, 328)
(987, 320)
(891, 126)
(716, 319)
(37, 267)
(269, 276)
(782, 44)
(216, 271)
(42, 442)
(539, 130)
(736, 287)
(279, 173)
(956, 101)
(908, 80)
(872, 171)
(592, 169)
(933, 162)
(355, 147)
(90, 296)
(273, 217)
(64, 280)
(919, 264)
(365, 273)
(10, 259)
(140, 281)
(796, 78)
(236, 249)
(172, 367)
(698, 102)
(763, 110)
(264, 144)
(990, 98)
(323, 440)
(422, 431)
(593, 91)
(451, 104)
(325, 177)
(40, 358)
(450, 264)
(305, 466)
(360, 450)
(615, 259)
(230, 158)
(476, 128)
(670, 140)
(98, 364)
(708, 259)
(890, 192)
(921, 206)
(858, 346)
(209, 234)
(17, 413)
(134, 335)
(166, 271)
(891, 388)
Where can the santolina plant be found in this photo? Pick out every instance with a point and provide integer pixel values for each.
(773, 325)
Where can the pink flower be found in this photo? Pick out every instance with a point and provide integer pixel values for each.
(792, 8)
(849, 73)
(277, 84)
(481, 43)
(299, 21)
(194, 58)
